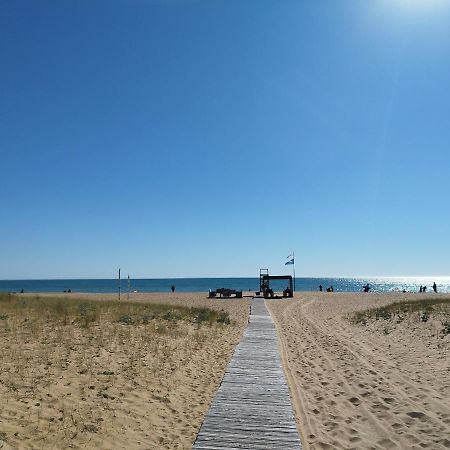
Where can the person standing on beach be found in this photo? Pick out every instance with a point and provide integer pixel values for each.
(320, 288)
(434, 287)
(173, 288)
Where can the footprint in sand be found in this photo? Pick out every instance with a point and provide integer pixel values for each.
(324, 446)
(386, 443)
(376, 407)
(417, 415)
(331, 425)
(412, 438)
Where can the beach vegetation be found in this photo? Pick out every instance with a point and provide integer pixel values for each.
(398, 311)
(446, 329)
(72, 362)
(83, 312)
(425, 314)
(223, 317)
(126, 319)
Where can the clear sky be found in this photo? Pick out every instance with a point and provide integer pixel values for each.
(212, 138)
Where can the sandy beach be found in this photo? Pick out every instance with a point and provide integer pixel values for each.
(376, 384)
(109, 384)
(357, 381)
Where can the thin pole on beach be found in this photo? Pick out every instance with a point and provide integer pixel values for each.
(293, 267)
(119, 283)
(129, 287)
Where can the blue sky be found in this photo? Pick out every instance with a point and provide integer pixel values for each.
(212, 138)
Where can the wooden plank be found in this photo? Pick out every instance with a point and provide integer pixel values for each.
(252, 408)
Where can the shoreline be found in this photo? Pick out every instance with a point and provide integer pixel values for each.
(246, 284)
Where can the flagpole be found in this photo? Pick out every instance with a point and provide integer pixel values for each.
(119, 283)
(293, 268)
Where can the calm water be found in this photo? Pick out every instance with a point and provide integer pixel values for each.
(204, 284)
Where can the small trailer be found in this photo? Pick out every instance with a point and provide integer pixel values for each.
(225, 293)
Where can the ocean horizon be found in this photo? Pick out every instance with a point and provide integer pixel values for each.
(340, 284)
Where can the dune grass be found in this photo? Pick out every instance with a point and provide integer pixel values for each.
(84, 312)
(72, 369)
(398, 311)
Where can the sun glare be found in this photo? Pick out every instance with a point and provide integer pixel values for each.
(422, 5)
(410, 11)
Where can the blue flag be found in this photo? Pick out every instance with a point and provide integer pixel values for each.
(291, 261)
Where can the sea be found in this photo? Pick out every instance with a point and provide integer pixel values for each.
(386, 284)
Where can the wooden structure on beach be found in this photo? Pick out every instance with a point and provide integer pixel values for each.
(252, 408)
(264, 284)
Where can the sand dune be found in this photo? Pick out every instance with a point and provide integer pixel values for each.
(380, 385)
(111, 385)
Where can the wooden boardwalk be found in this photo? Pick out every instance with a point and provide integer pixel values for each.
(252, 408)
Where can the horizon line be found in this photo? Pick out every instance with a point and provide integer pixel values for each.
(241, 276)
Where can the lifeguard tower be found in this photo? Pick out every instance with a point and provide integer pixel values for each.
(264, 284)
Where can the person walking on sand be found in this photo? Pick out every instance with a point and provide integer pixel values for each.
(434, 287)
